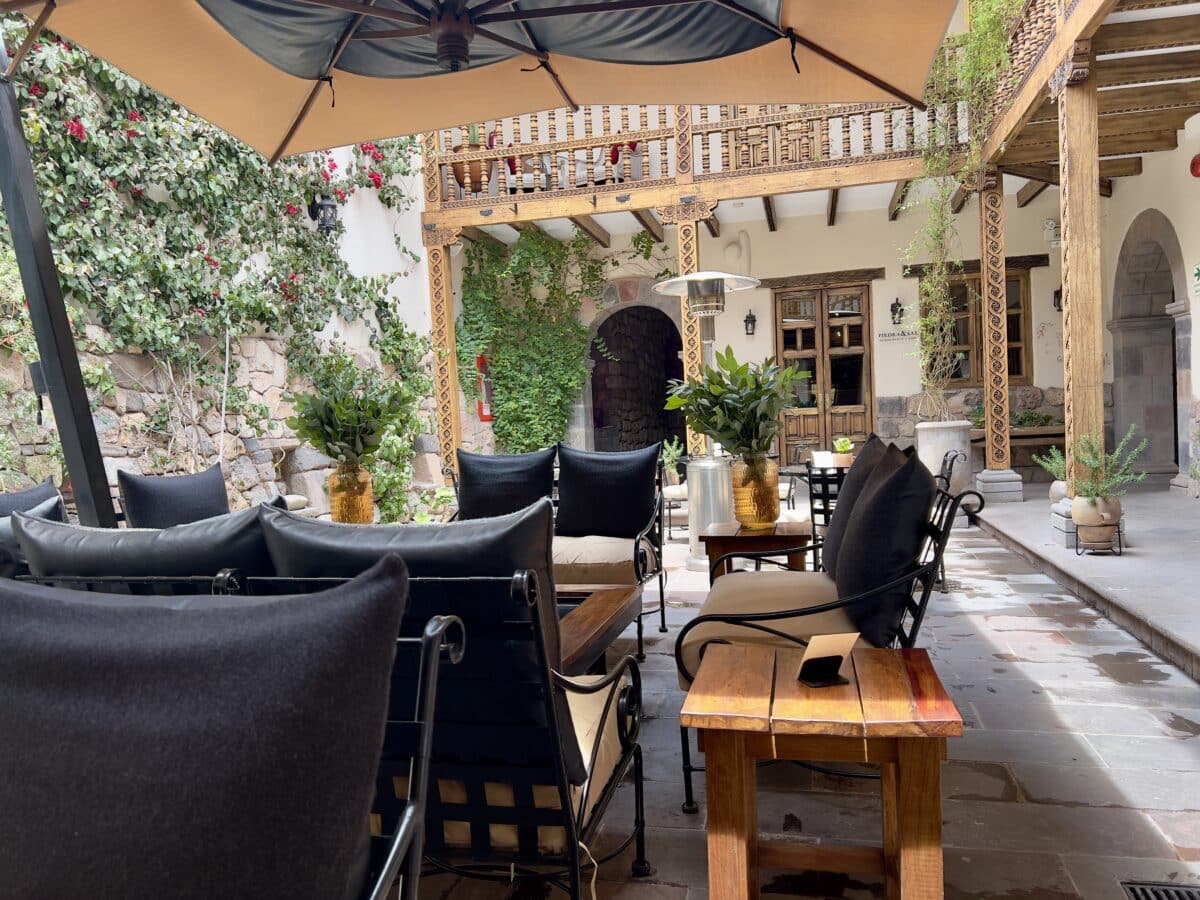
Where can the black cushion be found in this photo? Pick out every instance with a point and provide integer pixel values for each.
(301, 547)
(883, 541)
(22, 501)
(225, 749)
(608, 494)
(232, 541)
(12, 559)
(498, 485)
(160, 501)
(864, 464)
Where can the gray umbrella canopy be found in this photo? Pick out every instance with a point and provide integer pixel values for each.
(290, 76)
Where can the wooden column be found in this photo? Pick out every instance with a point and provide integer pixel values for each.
(995, 320)
(1074, 87)
(445, 365)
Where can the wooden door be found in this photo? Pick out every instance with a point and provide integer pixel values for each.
(826, 333)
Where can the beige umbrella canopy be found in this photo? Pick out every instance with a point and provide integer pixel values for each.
(292, 76)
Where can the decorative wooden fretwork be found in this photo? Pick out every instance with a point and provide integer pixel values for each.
(689, 209)
(1066, 180)
(440, 235)
(1073, 70)
(445, 362)
(683, 144)
(431, 172)
(993, 285)
(693, 351)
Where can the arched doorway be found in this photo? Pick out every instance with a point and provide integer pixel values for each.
(637, 353)
(1150, 376)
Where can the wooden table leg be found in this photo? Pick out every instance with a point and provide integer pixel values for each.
(891, 829)
(919, 813)
(798, 560)
(717, 549)
(732, 817)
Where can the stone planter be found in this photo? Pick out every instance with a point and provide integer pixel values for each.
(1058, 490)
(1096, 520)
(935, 439)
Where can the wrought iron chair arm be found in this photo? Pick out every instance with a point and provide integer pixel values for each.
(644, 538)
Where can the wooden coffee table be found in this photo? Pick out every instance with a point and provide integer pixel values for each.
(748, 705)
(587, 631)
(732, 537)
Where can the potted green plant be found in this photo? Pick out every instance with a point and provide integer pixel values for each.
(672, 452)
(1056, 465)
(345, 418)
(843, 452)
(738, 405)
(1096, 507)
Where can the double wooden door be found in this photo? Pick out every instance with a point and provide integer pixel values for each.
(826, 334)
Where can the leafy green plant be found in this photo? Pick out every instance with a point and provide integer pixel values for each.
(1028, 418)
(737, 404)
(351, 410)
(672, 452)
(1053, 462)
(843, 445)
(438, 501)
(1107, 475)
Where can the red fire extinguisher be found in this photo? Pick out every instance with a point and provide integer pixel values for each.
(484, 403)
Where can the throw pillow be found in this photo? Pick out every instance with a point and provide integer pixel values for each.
(160, 501)
(882, 542)
(606, 494)
(227, 749)
(232, 541)
(12, 560)
(22, 501)
(499, 485)
(864, 464)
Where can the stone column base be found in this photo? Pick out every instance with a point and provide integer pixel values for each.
(1000, 486)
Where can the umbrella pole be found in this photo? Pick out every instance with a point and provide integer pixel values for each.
(48, 313)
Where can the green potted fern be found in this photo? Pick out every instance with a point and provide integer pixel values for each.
(1056, 465)
(1096, 508)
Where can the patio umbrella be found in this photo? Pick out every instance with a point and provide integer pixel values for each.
(291, 76)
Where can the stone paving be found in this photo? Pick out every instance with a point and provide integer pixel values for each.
(1080, 766)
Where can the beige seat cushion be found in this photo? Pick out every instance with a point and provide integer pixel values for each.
(595, 560)
(759, 592)
(675, 492)
(586, 712)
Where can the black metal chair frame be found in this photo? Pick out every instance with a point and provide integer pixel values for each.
(402, 852)
(923, 575)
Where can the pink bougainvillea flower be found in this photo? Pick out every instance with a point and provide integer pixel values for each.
(324, 174)
(135, 116)
(293, 209)
(376, 179)
(76, 130)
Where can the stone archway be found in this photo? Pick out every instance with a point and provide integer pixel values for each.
(1150, 324)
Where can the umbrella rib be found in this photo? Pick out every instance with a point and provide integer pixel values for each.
(383, 33)
(342, 44)
(545, 64)
(520, 15)
(366, 10)
(35, 31)
(538, 54)
(822, 52)
(489, 5)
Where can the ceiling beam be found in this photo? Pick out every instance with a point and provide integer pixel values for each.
(899, 193)
(714, 225)
(650, 223)
(959, 198)
(1143, 69)
(769, 212)
(479, 236)
(831, 207)
(1142, 98)
(1029, 192)
(1147, 34)
(1125, 167)
(593, 229)
(1120, 145)
(1127, 5)
(1112, 126)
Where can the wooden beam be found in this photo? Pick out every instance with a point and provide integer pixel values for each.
(479, 236)
(899, 193)
(769, 212)
(593, 229)
(1147, 34)
(1122, 145)
(1125, 167)
(975, 266)
(1142, 98)
(1127, 5)
(650, 223)
(831, 207)
(959, 198)
(994, 301)
(1030, 192)
(713, 225)
(1142, 69)
(1083, 290)
(1111, 126)
(820, 279)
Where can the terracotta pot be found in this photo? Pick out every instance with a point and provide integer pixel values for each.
(350, 497)
(843, 460)
(1058, 490)
(475, 168)
(756, 491)
(1096, 519)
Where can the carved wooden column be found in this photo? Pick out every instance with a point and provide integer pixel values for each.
(445, 361)
(998, 482)
(687, 216)
(1074, 87)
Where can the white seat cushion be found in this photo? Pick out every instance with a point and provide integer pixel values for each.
(760, 592)
(592, 559)
(675, 492)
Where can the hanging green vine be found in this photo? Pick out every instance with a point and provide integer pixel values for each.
(963, 85)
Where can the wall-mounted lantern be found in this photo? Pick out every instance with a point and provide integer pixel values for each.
(751, 322)
(323, 211)
(897, 312)
(1058, 299)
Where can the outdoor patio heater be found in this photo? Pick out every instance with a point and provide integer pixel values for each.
(709, 477)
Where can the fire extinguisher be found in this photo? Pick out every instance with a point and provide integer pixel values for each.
(484, 403)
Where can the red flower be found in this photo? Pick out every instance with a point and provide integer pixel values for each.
(112, 183)
(36, 89)
(198, 311)
(332, 165)
(8, 340)
(212, 262)
(76, 130)
(85, 203)
(37, 45)
(201, 246)
(132, 133)
(296, 278)
(367, 147)
(135, 116)
(293, 209)
(376, 179)
(341, 195)
(324, 174)
(217, 294)
(377, 155)
(136, 192)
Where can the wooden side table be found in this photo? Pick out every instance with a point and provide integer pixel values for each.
(731, 537)
(747, 705)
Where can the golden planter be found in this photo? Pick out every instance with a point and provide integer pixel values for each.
(350, 497)
(756, 491)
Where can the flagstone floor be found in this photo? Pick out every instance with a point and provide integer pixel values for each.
(1080, 766)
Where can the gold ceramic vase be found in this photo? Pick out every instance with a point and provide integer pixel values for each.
(755, 491)
(350, 496)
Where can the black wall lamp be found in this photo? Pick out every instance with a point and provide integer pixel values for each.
(323, 211)
(751, 322)
(1058, 300)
